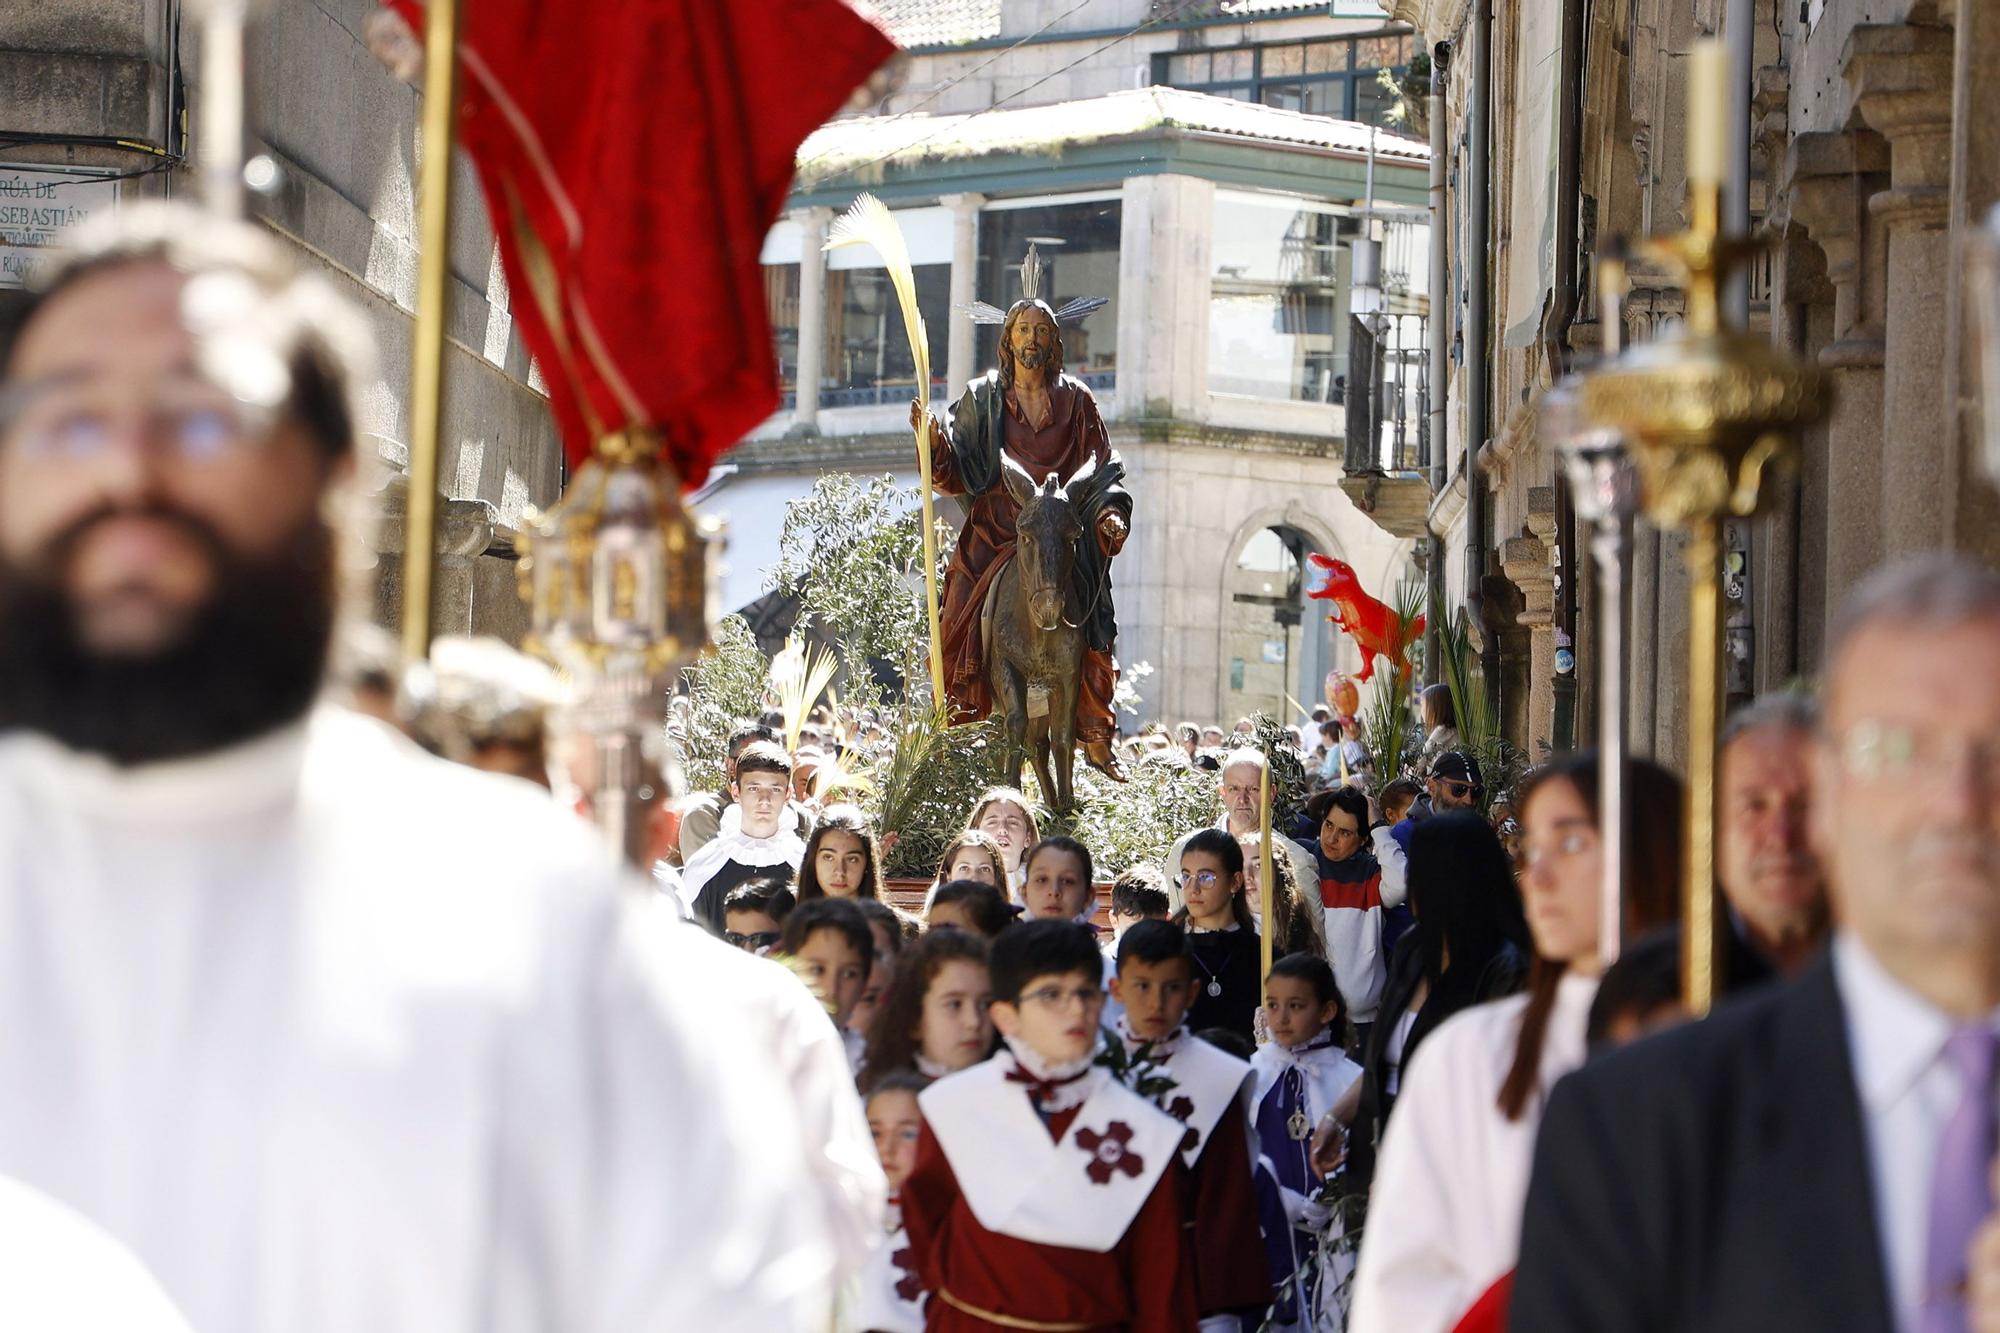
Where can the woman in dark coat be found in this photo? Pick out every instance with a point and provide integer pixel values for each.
(1469, 945)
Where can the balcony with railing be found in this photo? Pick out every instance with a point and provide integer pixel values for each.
(1387, 392)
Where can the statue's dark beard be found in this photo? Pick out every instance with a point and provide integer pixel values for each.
(250, 660)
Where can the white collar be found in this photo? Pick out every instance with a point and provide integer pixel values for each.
(251, 776)
(1320, 1046)
(1163, 1049)
(1075, 1079)
(1893, 1034)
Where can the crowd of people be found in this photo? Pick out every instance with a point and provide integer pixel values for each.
(318, 1032)
(1330, 1177)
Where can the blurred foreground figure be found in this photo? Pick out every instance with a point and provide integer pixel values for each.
(481, 703)
(1818, 1155)
(332, 1034)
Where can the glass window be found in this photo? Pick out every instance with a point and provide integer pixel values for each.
(781, 304)
(868, 358)
(1282, 60)
(1381, 52)
(1327, 57)
(1240, 63)
(1373, 102)
(1278, 321)
(1078, 245)
(1326, 77)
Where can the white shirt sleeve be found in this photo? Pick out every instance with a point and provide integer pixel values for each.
(1395, 878)
(1409, 1279)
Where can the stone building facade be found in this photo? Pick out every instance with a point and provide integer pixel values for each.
(1185, 171)
(1871, 155)
(96, 100)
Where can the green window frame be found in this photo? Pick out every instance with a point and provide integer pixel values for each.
(1327, 76)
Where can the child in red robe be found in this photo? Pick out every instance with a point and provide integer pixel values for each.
(1047, 1194)
(1208, 1091)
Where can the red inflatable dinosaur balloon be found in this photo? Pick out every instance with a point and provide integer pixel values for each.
(1371, 624)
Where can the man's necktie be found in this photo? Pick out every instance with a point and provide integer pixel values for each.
(1961, 1182)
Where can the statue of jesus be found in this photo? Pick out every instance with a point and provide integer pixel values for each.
(1046, 421)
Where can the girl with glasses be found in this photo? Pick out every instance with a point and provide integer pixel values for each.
(1222, 935)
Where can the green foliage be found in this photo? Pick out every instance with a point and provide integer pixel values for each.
(725, 685)
(1137, 820)
(926, 778)
(1501, 763)
(854, 551)
(1288, 771)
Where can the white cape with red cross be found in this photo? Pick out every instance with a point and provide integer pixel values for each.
(1080, 1191)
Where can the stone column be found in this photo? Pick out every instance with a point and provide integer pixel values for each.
(1901, 77)
(1975, 527)
(1164, 277)
(959, 345)
(1527, 563)
(813, 223)
(1829, 179)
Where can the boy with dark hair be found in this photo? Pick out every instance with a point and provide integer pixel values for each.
(755, 837)
(701, 816)
(1137, 895)
(1046, 1193)
(754, 913)
(1207, 1090)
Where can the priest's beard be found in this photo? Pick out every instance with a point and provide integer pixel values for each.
(247, 661)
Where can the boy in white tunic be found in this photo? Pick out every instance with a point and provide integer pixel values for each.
(1046, 1193)
(1208, 1090)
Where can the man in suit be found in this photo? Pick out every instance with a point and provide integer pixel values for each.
(1769, 874)
(1816, 1156)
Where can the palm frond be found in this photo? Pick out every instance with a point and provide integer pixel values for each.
(799, 676)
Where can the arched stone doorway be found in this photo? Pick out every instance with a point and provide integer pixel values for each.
(1276, 644)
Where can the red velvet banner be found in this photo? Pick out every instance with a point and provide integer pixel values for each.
(647, 146)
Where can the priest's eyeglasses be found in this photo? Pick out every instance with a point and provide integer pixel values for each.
(79, 419)
(1060, 997)
(1875, 751)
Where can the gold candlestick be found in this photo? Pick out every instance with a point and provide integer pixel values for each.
(1709, 413)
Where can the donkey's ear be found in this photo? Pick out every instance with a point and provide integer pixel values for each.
(1017, 481)
(1081, 478)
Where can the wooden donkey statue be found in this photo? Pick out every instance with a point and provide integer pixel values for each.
(1034, 634)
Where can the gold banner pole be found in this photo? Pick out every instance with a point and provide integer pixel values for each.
(1709, 414)
(1264, 869)
(427, 357)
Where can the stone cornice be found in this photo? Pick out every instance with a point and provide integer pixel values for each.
(894, 450)
(1434, 20)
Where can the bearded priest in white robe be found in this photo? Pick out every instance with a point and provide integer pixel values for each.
(335, 1037)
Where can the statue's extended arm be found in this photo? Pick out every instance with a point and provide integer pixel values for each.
(944, 459)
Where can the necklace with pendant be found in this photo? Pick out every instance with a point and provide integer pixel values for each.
(1299, 1127)
(1214, 986)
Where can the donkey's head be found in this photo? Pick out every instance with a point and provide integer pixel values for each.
(1045, 540)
